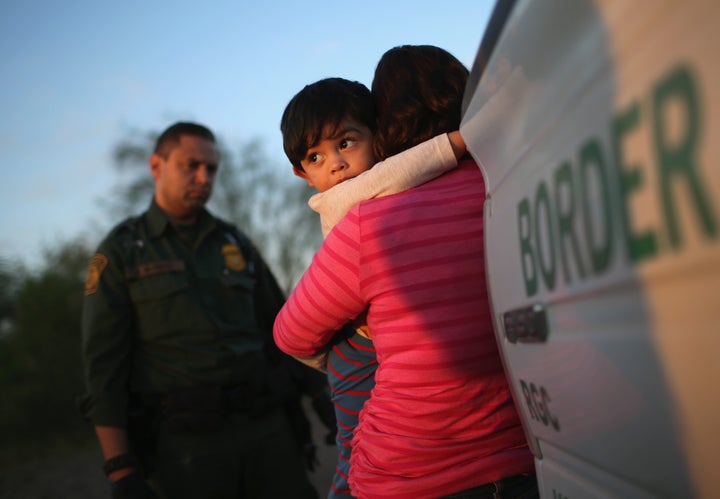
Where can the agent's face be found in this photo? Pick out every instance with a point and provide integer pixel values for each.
(184, 180)
(345, 154)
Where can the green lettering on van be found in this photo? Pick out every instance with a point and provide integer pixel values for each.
(545, 262)
(565, 210)
(638, 245)
(677, 159)
(593, 160)
(598, 194)
(526, 253)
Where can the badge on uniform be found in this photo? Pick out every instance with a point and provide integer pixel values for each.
(234, 259)
(97, 264)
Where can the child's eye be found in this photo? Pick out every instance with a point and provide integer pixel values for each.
(313, 157)
(347, 142)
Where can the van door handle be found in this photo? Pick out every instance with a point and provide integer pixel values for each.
(526, 325)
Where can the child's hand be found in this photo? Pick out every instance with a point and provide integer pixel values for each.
(458, 144)
(360, 325)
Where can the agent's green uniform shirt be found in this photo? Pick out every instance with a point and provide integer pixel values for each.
(166, 309)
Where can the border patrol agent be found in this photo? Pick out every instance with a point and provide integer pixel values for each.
(186, 390)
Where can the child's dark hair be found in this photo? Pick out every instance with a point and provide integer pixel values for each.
(319, 106)
(418, 92)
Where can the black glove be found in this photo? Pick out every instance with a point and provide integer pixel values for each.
(323, 407)
(132, 486)
(310, 456)
(331, 438)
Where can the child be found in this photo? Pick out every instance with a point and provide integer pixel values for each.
(328, 130)
(441, 419)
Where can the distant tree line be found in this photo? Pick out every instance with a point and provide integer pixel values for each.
(40, 362)
(40, 371)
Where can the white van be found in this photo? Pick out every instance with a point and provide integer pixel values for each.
(597, 127)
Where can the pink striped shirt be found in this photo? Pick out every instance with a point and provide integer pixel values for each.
(441, 418)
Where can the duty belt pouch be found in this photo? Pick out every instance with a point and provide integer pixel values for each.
(194, 410)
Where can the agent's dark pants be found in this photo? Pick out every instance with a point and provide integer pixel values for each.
(516, 487)
(248, 458)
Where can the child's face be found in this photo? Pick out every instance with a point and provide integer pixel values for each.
(346, 154)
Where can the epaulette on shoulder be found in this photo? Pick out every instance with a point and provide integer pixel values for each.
(242, 238)
(127, 226)
(125, 233)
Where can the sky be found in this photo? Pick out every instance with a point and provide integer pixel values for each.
(79, 75)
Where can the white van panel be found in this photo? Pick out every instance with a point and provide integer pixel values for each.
(596, 126)
(563, 476)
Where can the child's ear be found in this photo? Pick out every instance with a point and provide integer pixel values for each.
(299, 173)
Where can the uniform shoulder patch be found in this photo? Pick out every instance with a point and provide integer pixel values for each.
(234, 259)
(95, 269)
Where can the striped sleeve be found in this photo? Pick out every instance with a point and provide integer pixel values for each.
(327, 295)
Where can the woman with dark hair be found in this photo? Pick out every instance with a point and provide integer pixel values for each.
(418, 91)
(440, 419)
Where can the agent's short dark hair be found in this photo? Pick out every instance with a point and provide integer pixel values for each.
(319, 106)
(418, 92)
(170, 138)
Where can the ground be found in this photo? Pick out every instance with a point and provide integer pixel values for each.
(79, 475)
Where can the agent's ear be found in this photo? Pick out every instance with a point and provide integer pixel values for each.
(299, 173)
(156, 161)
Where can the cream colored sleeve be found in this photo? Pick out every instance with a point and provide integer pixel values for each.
(398, 173)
